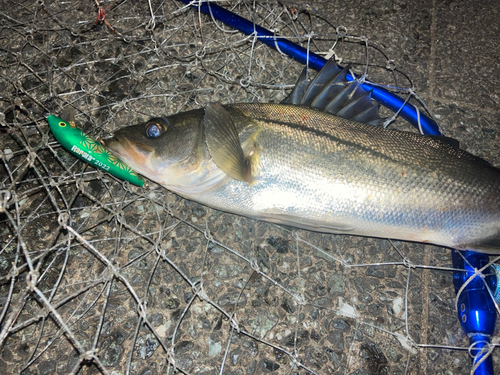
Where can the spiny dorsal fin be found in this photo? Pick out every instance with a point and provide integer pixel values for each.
(330, 91)
(224, 143)
(449, 141)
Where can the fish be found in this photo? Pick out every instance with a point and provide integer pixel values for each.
(320, 161)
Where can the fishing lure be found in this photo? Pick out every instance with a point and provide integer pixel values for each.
(86, 148)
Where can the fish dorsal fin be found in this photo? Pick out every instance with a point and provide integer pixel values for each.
(224, 143)
(449, 141)
(455, 144)
(330, 91)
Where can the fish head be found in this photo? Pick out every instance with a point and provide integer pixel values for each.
(168, 150)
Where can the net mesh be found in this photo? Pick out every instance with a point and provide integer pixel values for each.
(99, 276)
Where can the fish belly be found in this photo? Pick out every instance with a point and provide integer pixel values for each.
(332, 175)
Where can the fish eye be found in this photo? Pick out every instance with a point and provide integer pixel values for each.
(156, 127)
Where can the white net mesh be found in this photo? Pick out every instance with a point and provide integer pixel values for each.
(99, 276)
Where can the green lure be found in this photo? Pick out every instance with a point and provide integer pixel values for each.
(91, 151)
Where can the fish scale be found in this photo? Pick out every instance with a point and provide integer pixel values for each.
(300, 166)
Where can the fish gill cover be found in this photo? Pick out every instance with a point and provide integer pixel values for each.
(99, 276)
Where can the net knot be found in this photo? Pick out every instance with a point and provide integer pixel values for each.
(234, 322)
(477, 272)
(245, 81)
(219, 88)
(483, 349)
(295, 235)
(63, 219)
(299, 299)
(151, 24)
(208, 235)
(79, 184)
(341, 30)
(362, 79)
(5, 196)
(32, 279)
(88, 355)
(141, 310)
(255, 266)
(294, 361)
(115, 269)
(171, 356)
(484, 346)
(120, 216)
(126, 186)
(200, 54)
(14, 271)
(408, 263)
(390, 64)
(200, 292)
(411, 343)
(31, 159)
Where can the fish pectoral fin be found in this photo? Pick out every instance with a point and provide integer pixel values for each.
(224, 143)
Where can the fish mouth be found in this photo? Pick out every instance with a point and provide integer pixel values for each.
(131, 151)
(113, 144)
(107, 141)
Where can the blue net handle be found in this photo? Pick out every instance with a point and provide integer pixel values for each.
(406, 110)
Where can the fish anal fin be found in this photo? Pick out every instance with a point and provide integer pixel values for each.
(490, 245)
(224, 144)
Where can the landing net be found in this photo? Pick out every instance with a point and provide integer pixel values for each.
(99, 276)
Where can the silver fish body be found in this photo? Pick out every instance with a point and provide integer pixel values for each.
(316, 171)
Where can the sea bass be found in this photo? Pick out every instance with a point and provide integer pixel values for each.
(298, 164)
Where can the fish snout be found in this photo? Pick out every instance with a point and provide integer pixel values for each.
(114, 144)
(130, 150)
